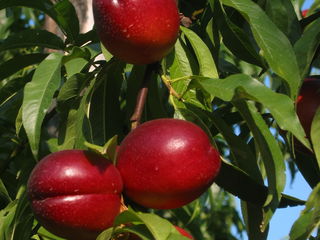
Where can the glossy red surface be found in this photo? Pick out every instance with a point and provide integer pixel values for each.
(137, 31)
(75, 194)
(167, 163)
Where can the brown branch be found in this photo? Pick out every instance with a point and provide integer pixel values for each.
(142, 96)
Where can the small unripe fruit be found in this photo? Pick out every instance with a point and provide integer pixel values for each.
(75, 194)
(167, 163)
(137, 31)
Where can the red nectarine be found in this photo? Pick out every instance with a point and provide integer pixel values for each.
(75, 194)
(167, 163)
(137, 31)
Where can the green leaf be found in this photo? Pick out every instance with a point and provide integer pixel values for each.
(66, 17)
(105, 116)
(6, 218)
(108, 150)
(21, 225)
(62, 12)
(306, 47)
(253, 216)
(76, 60)
(106, 234)
(246, 188)
(309, 218)
(160, 228)
(73, 106)
(315, 136)
(280, 106)
(207, 65)
(4, 195)
(183, 64)
(32, 38)
(271, 155)
(13, 86)
(307, 164)
(38, 96)
(238, 41)
(83, 131)
(243, 155)
(156, 107)
(18, 63)
(275, 45)
(282, 14)
(71, 90)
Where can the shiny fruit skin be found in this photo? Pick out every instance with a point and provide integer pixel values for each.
(308, 102)
(75, 194)
(167, 163)
(137, 31)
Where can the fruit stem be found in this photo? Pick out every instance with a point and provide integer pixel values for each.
(142, 95)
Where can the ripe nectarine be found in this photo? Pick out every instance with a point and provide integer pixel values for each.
(137, 31)
(75, 194)
(167, 163)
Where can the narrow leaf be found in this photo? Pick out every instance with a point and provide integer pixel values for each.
(206, 63)
(282, 13)
(315, 136)
(271, 155)
(160, 228)
(38, 97)
(18, 63)
(105, 114)
(309, 218)
(280, 105)
(276, 47)
(32, 38)
(62, 12)
(13, 86)
(306, 47)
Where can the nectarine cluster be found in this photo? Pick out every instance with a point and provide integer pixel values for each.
(163, 164)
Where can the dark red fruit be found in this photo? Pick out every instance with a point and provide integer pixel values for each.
(308, 102)
(137, 31)
(75, 194)
(167, 163)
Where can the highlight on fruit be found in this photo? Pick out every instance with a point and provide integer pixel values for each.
(137, 32)
(167, 163)
(75, 194)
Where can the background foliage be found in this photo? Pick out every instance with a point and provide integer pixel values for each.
(237, 70)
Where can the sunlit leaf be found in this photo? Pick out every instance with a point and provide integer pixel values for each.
(275, 45)
(309, 218)
(38, 96)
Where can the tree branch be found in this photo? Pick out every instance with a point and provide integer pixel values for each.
(142, 95)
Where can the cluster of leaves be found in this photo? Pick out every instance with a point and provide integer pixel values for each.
(55, 100)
